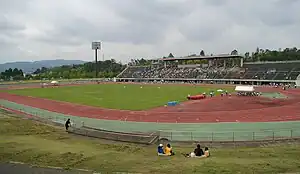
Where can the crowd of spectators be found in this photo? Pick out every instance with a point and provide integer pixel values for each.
(262, 72)
(175, 72)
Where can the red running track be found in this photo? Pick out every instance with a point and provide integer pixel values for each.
(216, 109)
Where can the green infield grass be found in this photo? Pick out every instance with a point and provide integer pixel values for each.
(37, 144)
(22, 82)
(118, 96)
(33, 81)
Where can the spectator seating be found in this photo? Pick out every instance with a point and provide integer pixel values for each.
(261, 71)
(272, 71)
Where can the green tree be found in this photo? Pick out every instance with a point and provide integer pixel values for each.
(202, 53)
(170, 55)
(107, 68)
(234, 52)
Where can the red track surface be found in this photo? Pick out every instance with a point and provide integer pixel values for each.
(216, 109)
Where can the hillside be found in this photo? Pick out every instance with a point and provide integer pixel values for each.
(29, 67)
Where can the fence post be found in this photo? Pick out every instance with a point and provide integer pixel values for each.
(212, 136)
(191, 136)
(253, 136)
(273, 136)
(171, 136)
(233, 136)
(291, 133)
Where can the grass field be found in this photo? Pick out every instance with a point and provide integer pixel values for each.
(42, 145)
(117, 96)
(32, 81)
(23, 82)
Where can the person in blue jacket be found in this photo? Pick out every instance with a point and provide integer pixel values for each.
(160, 149)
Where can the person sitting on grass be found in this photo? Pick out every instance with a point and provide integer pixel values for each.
(168, 150)
(206, 152)
(160, 150)
(198, 152)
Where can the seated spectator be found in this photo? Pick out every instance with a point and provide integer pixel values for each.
(160, 150)
(198, 152)
(206, 152)
(168, 150)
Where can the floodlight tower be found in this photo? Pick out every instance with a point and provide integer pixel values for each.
(96, 46)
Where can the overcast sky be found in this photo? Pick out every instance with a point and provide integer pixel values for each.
(51, 29)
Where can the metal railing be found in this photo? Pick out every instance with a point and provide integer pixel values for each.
(231, 136)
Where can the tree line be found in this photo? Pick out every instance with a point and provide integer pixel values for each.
(259, 54)
(287, 54)
(12, 74)
(107, 69)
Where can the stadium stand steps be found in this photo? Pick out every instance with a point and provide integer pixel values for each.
(123, 71)
(140, 138)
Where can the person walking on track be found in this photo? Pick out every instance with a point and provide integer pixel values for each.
(67, 124)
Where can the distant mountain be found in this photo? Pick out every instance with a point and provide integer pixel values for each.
(29, 67)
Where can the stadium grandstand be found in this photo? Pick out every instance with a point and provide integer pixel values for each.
(223, 68)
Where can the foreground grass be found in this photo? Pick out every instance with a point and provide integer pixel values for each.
(115, 96)
(33, 143)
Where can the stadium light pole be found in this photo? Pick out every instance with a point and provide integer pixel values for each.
(96, 46)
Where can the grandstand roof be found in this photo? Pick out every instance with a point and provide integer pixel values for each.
(220, 56)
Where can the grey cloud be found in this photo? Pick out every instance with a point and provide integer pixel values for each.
(141, 26)
(215, 2)
(145, 22)
(9, 51)
(9, 26)
(87, 31)
(152, 11)
(277, 14)
(10, 32)
(13, 6)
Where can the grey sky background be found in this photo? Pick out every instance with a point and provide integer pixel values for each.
(52, 29)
